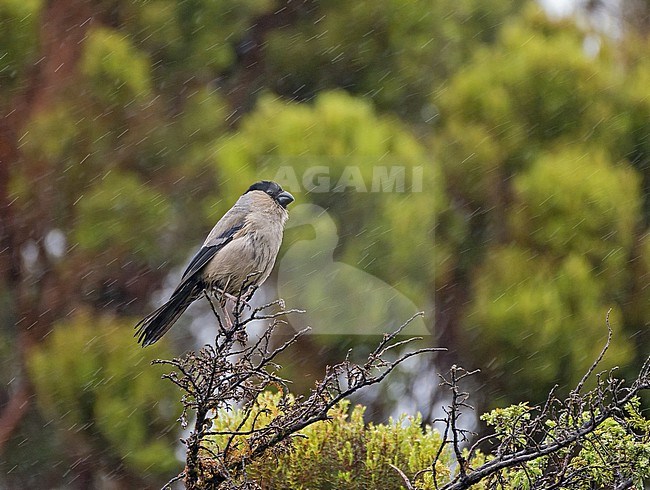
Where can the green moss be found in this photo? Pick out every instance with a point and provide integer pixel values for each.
(343, 452)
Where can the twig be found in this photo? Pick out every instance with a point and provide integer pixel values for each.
(234, 372)
(407, 482)
(531, 438)
(168, 485)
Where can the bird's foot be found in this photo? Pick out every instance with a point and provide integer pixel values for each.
(237, 300)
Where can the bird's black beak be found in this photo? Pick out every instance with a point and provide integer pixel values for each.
(284, 199)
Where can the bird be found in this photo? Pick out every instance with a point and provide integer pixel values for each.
(237, 256)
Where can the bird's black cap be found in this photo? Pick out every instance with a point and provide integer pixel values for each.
(268, 186)
(273, 189)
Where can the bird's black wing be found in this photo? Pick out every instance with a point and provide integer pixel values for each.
(204, 255)
(156, 324)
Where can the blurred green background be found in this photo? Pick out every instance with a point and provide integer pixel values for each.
(129, 127)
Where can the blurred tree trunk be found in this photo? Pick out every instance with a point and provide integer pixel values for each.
(250, 75)
(36, 296)
(635, 14)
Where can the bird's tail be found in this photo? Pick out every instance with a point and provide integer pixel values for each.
(156, 324)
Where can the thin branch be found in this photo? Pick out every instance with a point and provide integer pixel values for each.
(527, 438)
(168, 485)
(224, 375)
(596, 363)
(407, 482)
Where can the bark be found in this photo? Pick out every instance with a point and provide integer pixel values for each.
(63, 28)
(13, 413)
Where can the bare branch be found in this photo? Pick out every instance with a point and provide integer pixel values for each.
(407, 482)
(234, 373)
(553, 434)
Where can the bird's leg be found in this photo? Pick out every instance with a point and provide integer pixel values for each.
(236, 300)
(222, 294)
(237, 306)
(218, 308)
(223, 299)
(246, 292)
(228, 319)
(239, 300)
